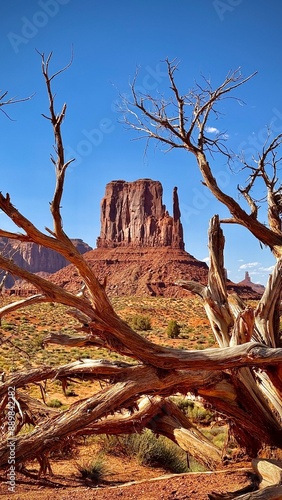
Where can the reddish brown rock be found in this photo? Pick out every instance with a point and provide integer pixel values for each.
(140, 248)
(35, 258)
(133, 214)
(138, 271)
(254, 286)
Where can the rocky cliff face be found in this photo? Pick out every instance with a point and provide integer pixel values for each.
(133, 214)
(137, 271)
(35, 258)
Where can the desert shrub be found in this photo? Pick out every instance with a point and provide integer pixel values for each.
(140, 322)
(71, 393)
(173, 329)
(94, 470)
(7, 326)
(220, 440)
(217, 435)
(149, 450)
(184, 404)
(159, 452)
(115, 445)
(201, 415)
(195, 410)
(54, 403)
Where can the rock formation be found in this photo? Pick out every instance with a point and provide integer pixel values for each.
(140, 248)
(35, 258)
(254, 286)
(133, 214)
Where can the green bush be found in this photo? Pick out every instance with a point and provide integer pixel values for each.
(140, 322)
(94, 470)
(195, 411)
(184, 404)
(201, 415)
(149, 450)
(173, 329)
(54, 403)
(7, 326)
(159, 452)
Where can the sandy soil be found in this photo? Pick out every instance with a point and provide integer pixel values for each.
(67, 485)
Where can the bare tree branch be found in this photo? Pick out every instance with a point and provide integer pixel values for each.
(241, 379)
(12, 100)
(153, 117)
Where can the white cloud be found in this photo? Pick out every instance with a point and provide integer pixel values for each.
(249, 265)
(206, 259)
(266, 269)
(212, 130)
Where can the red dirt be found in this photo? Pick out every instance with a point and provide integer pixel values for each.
(192, 486)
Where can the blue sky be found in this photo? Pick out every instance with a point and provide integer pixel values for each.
(110, 39)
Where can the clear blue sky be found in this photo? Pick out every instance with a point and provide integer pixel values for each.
(110, 39)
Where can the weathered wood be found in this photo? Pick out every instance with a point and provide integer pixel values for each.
(267, 312)
(216, 303)
(269, 471)
(72, 340)
(162, 417)
(270, 493)
(174, 425)
(242, 379)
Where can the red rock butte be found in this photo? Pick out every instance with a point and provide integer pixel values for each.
(133, 214)
(140, 249)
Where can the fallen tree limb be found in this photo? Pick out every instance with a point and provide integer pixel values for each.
(162, 417)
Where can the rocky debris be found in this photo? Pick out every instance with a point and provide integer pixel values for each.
(138, 271)
(133, 214)
(35, 258)
(144, 271)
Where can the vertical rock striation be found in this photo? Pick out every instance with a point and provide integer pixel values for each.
(133, 214)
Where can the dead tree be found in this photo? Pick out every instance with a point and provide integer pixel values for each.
(242, 379)
(181, 121)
